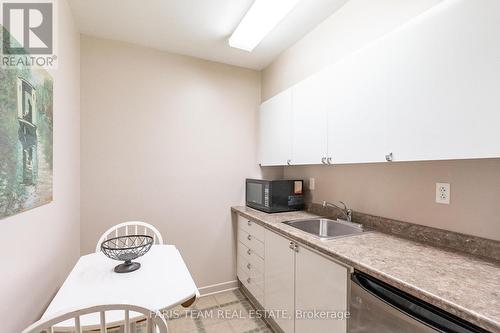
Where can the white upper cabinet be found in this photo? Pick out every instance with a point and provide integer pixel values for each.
(275, 143)
(444, 83)
(309, 121)
(427, 91)
(356, 106)
(430, 90)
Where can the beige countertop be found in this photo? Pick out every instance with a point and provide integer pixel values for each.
(463, 285)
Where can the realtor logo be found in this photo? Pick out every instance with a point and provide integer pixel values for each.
(28, 28)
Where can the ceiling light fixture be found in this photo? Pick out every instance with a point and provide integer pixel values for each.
(262, 17)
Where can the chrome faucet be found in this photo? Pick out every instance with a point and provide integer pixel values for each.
(345, 211)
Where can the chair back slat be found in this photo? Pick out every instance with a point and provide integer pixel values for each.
(51, 324)
(130, 228)
(78, 327)
(102, 316)
(127, 321)
(149, 325)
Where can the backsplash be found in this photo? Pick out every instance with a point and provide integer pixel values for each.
(477, 246)
(406, 191)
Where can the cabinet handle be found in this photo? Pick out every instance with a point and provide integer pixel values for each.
(323, 160)
(291, 246)
(249, 223)
(248, 280)
(249, 252)
(329, 160)
(389, 157)
(249, 266)
(249, 237)
(289, 162)
(296, 248)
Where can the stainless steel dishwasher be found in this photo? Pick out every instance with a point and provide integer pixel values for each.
(376, 307)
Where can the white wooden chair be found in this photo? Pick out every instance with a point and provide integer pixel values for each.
(130, 228)
(154, 321)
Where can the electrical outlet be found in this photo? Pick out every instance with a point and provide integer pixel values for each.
(443, 193)
(312, 184)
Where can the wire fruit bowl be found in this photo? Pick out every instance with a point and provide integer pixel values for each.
(127, 248)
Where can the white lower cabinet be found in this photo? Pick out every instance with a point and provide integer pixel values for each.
(298, 281)
(320, 290)
(250, 257)
(279, 281)
(303, 291)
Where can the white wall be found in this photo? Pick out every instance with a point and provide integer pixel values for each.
(353, 26)
(403, 191)
(41, 246)
(169, 140)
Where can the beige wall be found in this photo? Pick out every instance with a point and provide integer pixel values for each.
(169, 140)
(407, 192)
(41, 246)
(404, 191)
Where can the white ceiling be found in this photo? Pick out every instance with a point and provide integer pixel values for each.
(198, 28)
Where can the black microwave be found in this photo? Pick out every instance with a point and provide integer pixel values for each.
(273, 196)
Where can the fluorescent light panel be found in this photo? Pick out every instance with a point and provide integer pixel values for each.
(259, 21)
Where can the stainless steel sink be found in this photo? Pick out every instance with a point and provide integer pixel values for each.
(325, 228)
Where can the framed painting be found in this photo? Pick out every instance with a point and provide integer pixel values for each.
(26, 139)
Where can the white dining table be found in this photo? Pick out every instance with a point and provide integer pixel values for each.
(162, 282)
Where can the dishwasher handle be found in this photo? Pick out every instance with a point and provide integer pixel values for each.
(424, 312)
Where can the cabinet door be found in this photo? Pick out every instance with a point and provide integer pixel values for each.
(445, 78)
(356, 106)
(279, 280)
(427, 91)
(309, 121)
(321, 285)
(275, 140)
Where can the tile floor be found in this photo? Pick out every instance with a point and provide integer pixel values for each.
(227, 312)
